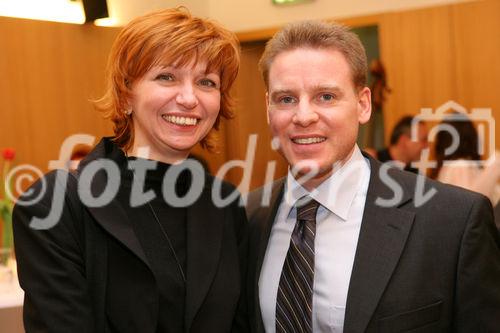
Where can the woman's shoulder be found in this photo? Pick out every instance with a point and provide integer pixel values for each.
(55, 182)
(50, 205)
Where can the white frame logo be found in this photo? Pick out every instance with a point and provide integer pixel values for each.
(483, 119)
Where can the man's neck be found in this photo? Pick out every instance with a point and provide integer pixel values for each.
(316, 181)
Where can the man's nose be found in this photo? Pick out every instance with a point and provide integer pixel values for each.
(305, 114)
(186, 96)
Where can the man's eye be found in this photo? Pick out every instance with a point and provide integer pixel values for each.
(165, 77)
(208, 83)
(326, 97)
(287, 100)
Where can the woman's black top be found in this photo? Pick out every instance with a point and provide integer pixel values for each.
(168, 262)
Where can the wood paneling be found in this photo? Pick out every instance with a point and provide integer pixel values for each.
(50, 72)
(418, 54)
(251, 119)
(438, 54)
(476, 36)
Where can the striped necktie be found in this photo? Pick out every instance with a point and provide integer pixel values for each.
(295, 290)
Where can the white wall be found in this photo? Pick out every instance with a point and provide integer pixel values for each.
(245, 15)
(259, 14)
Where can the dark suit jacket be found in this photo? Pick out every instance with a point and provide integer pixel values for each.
(89, 273)
(433, 268)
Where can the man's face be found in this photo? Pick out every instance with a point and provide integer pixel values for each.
(314, 110)
(413, 149)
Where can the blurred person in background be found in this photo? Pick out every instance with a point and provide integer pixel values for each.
(463, 166)
(402, 148)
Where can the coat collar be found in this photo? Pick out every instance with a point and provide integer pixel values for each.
(204, 230)
(112, 217)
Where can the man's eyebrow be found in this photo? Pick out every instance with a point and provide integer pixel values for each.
(327, 87)
(277, 92)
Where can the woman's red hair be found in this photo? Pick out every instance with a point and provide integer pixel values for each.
(161, 38)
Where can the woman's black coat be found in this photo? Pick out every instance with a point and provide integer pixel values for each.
(71, 286)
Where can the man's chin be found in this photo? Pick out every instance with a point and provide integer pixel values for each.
(303, 167)
(311, 169)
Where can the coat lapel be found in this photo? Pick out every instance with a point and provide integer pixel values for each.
(383, 234)
(205, 223)
(265, 219)
(112, 217)
(115, 221)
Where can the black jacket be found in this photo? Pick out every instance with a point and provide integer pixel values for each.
(433, 267)
(70, 285)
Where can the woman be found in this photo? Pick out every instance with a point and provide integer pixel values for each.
(145, 260)
(462, 167)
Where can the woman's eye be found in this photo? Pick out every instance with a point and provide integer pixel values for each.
(165, 77)
(208, 83)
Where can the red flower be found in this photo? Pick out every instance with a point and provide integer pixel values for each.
(9, 154)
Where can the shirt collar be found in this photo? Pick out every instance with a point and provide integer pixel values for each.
(337, 192)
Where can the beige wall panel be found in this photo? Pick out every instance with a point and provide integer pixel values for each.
(417, 51)
(251, 119)
(50, 72)
(476, 28)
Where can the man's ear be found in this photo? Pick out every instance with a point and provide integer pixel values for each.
(364, 105)
(267, 107)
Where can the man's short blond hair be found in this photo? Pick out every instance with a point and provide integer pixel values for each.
(317, 35)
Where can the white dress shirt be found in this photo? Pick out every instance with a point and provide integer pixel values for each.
(342, 197)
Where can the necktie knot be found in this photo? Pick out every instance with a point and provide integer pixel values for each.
(308, 210)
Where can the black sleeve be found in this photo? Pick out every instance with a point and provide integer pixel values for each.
(477, 303)
(51, 262)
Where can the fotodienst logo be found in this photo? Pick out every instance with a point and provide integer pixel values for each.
(452, 111)
(449, 111)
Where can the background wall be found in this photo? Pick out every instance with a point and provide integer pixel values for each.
(431, 56)
(50, 71)
(444, 53)
(255, 14)
(260, 14)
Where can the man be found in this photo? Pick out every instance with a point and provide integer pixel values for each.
(402, 148)
(341, 243)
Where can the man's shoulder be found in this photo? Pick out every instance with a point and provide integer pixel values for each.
(413, 185)
(430, 196)
(264, 197)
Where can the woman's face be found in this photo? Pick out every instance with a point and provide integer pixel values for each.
(173, 108)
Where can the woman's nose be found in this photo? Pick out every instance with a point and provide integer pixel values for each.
(187, 96)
